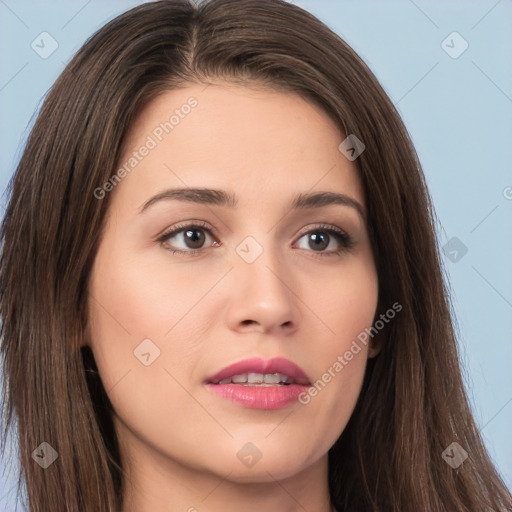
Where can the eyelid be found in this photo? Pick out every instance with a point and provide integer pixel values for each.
(321, 227)
(187, 224)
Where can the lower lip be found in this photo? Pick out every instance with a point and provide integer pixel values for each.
(259, 397)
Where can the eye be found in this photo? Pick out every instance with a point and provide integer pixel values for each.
(325, 236)
(192, 238)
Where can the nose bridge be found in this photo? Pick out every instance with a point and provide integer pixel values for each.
(263, 291)
(258, 265)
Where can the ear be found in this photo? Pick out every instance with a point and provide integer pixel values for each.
(374, 348)
(380, 330)
(84, 340)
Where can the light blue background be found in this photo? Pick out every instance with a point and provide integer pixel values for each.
(459, 114)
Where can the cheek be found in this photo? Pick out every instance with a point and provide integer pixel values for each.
(132, 308)
(140, 295)
(346, 302)
(347, 305)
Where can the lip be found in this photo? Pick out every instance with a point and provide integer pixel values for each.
(258, 365)
(260, 397)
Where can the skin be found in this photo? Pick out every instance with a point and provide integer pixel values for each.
(179, 441)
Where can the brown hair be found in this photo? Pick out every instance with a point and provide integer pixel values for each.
(412, 405)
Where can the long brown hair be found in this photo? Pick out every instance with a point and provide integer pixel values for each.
(412, 405)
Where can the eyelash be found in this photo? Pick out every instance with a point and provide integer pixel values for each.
(341, 236)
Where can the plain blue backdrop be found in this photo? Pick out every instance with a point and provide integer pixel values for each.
(454, 92)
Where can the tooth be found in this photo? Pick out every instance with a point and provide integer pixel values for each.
(253, 378)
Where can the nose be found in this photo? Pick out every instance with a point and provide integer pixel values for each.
(262, 296)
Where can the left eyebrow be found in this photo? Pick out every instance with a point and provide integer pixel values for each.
(222, 198)
(320, 199)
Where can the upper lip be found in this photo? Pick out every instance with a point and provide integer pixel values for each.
(258, 365)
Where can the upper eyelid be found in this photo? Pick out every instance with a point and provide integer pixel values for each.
(200, 224)
(191, 224)
(179, 228)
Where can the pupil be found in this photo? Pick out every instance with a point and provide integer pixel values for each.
(321, 240)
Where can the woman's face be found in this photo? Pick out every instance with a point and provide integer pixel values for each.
(255, 277)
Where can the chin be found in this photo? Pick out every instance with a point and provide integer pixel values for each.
(263, 473)
(267, 465)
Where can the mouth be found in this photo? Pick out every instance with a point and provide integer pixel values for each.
(259, 384)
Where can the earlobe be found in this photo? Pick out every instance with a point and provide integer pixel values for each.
(374, 350)
(379, 329)
(84, 340)
(376, 343)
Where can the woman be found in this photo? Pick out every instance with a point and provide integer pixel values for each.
(220, 281)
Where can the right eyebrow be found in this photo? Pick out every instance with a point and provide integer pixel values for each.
(195, 195)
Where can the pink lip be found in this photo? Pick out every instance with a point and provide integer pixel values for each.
(259, 397)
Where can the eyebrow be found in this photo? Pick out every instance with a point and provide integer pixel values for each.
(222, 198)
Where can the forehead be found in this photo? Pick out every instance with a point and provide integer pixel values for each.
(259, 143)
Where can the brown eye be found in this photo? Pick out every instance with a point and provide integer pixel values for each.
(187, 239)
(321, 238)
